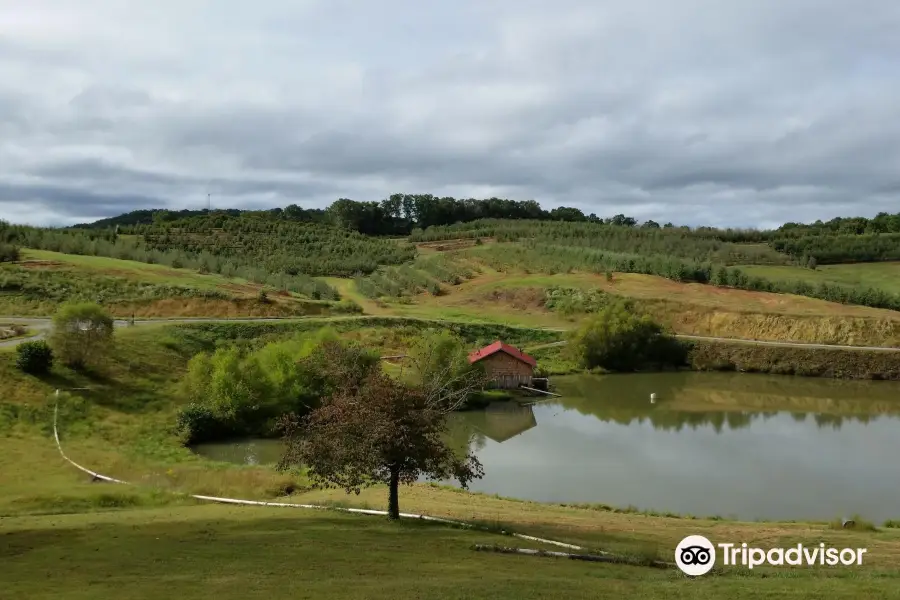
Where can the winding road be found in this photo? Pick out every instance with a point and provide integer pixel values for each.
(43, 326)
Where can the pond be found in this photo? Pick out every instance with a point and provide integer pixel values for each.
(735, 445)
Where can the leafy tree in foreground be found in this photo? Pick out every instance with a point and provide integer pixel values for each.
(35, 358)
(379, 431)
(82, 334)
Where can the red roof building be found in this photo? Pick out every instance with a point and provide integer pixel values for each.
(505, 365)
(498, 346)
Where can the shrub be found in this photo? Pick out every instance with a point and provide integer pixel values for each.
(241, 391)
(616, 339)
(8, 253)
(35, 358)
(82, 334)
(195, 422)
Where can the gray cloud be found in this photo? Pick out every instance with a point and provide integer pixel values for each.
(746, 113)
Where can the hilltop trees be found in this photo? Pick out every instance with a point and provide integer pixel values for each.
(378, 429)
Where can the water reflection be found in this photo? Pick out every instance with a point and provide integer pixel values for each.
(736, 445)
(726, 401)
(746, 446)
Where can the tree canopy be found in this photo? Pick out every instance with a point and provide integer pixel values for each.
(82, 334)
(616, 339)
(377, 429)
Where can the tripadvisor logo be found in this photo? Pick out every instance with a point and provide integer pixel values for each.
(696, 555)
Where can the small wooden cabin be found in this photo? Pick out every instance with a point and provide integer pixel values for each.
(507, 367)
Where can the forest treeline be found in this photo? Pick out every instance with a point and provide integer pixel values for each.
(396, 215)
(399, 214)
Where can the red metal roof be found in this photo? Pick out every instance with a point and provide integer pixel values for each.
(498, 346)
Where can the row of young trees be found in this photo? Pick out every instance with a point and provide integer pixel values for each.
(671, 241)
(843, 248)
(61, 286)
(882, 223)
(277, 246)
(426, 274)
(236, 264)
(537, 257)
(730, 247)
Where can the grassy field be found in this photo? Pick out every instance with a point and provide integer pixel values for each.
(129, 269)
(227, 552)
(882, 275)
(145, 541)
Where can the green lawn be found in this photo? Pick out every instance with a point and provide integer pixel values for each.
(242, 552)
(882, 275)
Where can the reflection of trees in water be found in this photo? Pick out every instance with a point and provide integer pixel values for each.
(739, 400)
(677, 420)
(625, 400)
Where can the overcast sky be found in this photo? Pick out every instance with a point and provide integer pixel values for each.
(737, 112)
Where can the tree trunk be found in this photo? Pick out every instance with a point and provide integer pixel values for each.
(394, 495)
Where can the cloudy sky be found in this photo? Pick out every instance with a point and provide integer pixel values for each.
(745, 112)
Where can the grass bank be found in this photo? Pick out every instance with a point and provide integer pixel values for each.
(784, 360)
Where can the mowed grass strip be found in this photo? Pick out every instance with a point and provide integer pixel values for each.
(245, 552)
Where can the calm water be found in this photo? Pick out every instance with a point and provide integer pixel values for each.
(744, 446)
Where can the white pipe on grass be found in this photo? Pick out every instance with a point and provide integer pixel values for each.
(362, 511)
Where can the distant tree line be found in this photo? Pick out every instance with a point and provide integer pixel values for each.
(882, 223)
(843, 248)
(396, 215)
(161, 215)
